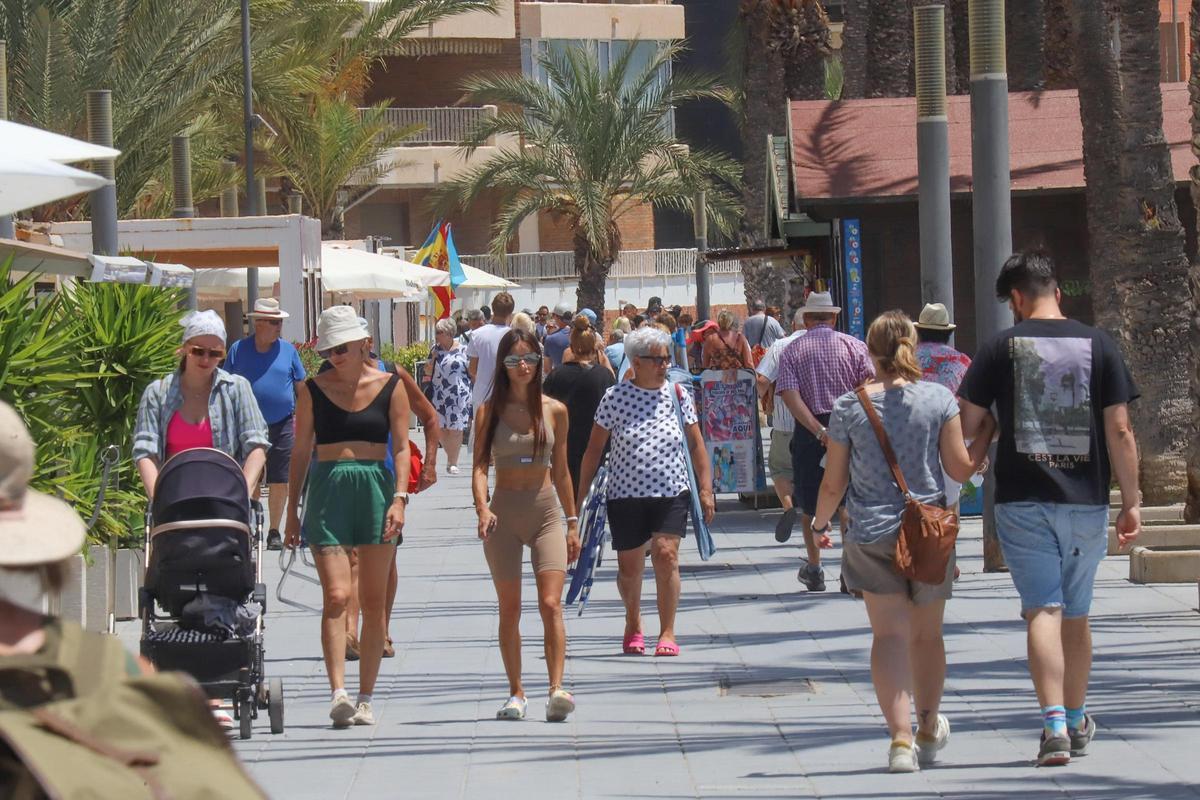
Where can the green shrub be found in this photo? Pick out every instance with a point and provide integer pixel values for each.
(406, 356)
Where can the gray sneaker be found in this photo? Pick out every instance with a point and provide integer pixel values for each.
(783, 528)
(812, 576)
(1054, 752)
(1082, 737)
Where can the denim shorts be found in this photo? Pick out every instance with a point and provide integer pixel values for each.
(1052, 551)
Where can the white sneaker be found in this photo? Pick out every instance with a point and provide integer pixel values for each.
(514, 709)
(927, 749)
(561, 704)
(342, 711)
(364, 715)
(902, 757)
(452, 470)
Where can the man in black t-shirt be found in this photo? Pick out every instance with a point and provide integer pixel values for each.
(1061, 391)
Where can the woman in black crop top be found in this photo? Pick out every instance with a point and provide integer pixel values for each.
(353, 502)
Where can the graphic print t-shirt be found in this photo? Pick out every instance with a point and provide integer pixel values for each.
(1051, 380)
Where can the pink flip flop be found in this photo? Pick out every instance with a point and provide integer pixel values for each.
(634, 645)
(666, 649)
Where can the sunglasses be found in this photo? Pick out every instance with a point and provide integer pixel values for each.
(269, 321)
(201, 352)
(658, 361)
(340, 350)
(529, 358)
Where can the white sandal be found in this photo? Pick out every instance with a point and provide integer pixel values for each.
(514, 709)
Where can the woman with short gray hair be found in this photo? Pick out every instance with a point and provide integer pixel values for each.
(648, 489)
(451, 384)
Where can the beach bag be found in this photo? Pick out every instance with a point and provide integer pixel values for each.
(925, 542)
(704, 540)
(73, 724)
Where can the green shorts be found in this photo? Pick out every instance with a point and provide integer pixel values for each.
(347, 503)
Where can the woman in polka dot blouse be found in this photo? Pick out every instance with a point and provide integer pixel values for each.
(648, 491)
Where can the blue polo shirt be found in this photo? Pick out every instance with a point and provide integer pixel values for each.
(556, 344)
(272, 375)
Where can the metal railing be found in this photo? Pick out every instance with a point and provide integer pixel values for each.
(560, 264)
(440, 126)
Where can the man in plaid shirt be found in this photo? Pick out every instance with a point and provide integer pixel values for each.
(814, 371)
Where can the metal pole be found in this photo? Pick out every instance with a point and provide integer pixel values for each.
(103, 200)
(991, 207)
(700, 222)
(933, 157)
(8, 228)
(252, 208)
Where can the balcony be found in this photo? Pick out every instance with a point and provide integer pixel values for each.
(471, 25)
(559, 265)
(649, 20)
(432, 155)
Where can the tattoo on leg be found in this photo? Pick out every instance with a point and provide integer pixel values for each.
(924, 715)
(329, 549)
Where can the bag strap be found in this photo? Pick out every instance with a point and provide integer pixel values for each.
(884, 443)
(762, 334)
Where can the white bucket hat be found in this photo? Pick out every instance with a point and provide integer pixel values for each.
(935, 317)
(820, 303)
(339, 325)
(35, 528)
(267, 308)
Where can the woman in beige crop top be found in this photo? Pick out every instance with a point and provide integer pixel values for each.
(525, 435)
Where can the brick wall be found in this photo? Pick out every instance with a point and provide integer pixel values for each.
(636, 226)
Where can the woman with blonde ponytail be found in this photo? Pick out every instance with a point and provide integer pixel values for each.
(921, 421)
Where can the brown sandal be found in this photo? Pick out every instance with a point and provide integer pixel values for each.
(388, 650)
(351, 648)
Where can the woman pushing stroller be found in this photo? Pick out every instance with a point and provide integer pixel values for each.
(352, 501)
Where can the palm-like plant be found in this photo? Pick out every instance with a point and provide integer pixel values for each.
(595, 145)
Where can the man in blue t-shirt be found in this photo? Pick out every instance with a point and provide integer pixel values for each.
(273, 368)
(557, 343)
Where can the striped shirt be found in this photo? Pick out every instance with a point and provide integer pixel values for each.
(238, 427)
(823, 365)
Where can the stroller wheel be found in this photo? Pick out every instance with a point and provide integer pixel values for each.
(275, 704)
(246, 717)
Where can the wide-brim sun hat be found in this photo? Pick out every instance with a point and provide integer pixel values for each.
(701, 329)
(935, 317)
(267, 308)
(339, 325)
(35, 528)
(820, 303)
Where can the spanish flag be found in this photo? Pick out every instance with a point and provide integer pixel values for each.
(439, 252)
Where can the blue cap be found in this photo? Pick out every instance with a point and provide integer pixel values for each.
(591, 315)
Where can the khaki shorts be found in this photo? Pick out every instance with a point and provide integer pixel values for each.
(779, 462)
(868, 567)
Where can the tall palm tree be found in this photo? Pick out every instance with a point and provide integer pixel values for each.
(595, 145)
(1025, 32)
(1135, 237)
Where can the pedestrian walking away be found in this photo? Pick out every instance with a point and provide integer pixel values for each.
(726, 348)
(525, 435)
(558, 341)
(921, 422)
(474, 321)
(814, 371)
(648, 488)
(615, 352)
(481, 350)
(1062, 392)
(272, 365)
(761, 330)
(447, 370)
(579, 384)
(779, 460)
(353, 502)
(199, 405)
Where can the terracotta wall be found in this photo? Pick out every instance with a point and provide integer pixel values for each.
(636, 226)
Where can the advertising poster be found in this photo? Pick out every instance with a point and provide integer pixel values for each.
(728, 410)
(852, 257)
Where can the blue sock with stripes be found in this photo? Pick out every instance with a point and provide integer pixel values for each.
(1075, 717)
(1054, 718)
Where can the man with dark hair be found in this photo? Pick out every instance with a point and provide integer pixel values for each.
(1061, 391)
(654, 308)
(487, 314)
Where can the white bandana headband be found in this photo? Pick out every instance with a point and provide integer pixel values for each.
(203, 323)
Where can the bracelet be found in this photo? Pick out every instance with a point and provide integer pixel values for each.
(401, 496)
(572, 519)
(828, 527)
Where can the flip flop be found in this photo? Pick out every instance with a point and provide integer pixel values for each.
(634, 645)
(666, 649)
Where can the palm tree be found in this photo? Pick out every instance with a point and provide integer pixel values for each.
(1135, 237)
(1025, 32)
(595, 145)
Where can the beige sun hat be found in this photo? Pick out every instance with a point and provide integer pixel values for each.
(35, 528)
(339, 325)
(935, 317)
(820, 303)
(267, 308)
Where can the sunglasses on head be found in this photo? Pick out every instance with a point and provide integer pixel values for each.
(529, 358)
(340, 350)
(201, 352)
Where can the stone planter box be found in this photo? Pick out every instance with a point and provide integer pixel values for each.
(1159, 535)
(1164, 565)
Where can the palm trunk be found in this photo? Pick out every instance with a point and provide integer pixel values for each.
(1191, 512)
(1025, 29)
(854, 48)
(1057, 50)
(960, 33)
(890, 50)
(593, 275)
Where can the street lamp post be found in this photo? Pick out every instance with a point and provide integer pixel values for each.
(700, 222)
(252, 208)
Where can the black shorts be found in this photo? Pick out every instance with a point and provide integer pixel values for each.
(282, 436)
(633, 520)
(807, 472)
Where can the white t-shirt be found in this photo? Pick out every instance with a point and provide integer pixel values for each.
(647, 458)
(483, 346)
(769, 369)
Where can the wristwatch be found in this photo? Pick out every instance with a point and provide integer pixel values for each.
(401, 496)
(828, 527)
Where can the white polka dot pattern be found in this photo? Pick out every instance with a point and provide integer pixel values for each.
(646, 459)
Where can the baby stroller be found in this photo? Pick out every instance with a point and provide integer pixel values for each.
(204, 573)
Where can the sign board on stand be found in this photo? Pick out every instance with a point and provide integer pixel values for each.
(728, 408)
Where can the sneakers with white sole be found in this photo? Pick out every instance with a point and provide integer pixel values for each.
(514, 709)
(1055, 751)
(342, 711)
(928, 747)
(364, 715)
(560, 704)
(451, 470)
(902, 757)
(1082, 737)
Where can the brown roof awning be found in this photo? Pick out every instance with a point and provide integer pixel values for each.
(867, 149)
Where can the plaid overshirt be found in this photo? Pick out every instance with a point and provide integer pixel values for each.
(823, 365)
(238, 426)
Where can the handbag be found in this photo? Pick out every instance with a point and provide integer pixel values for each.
(704, 540)
(927, 533)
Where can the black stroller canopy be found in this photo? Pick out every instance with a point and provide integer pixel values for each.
(200, 484)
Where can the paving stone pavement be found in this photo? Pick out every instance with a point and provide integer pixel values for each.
(771, 696)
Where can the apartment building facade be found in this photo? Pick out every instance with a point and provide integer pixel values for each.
(421, 82)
